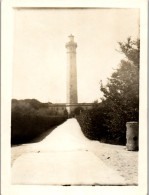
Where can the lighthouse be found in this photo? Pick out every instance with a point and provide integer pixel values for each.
(72, 96)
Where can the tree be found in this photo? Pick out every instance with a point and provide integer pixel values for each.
(95, 104)
(121, 93)
(78, 110)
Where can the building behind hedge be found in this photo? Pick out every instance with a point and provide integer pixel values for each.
(62, 108)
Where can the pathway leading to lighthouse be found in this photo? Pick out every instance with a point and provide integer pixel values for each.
(64, 157)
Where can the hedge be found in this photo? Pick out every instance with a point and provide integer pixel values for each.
(94, 125)
(26, 127)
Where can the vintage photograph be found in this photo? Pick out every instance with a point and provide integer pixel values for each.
(75, 96)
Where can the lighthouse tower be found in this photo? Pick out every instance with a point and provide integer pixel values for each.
(72, 97)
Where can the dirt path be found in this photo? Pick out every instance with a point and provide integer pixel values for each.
(72, 139)
(118, 158)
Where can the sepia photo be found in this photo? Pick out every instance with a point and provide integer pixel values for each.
(75, 102)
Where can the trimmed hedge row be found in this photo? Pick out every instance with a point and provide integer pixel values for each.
(92, 123)
(94, 126)
(25, 127)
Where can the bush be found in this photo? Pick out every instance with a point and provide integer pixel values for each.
(78, 110)
(121, 93)
(26, 127)
(94, 126)
(30, 118)
(92, 123)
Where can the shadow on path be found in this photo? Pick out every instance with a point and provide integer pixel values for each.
(43, 135)
(39, 137)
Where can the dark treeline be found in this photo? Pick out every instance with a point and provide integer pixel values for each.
(30, 118)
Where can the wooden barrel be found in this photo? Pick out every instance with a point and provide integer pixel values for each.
(132, 136)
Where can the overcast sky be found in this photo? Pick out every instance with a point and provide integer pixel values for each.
(40, 35)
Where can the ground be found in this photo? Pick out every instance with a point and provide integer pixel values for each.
(121, 160)
(115, 157)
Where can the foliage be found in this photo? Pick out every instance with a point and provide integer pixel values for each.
(92, 123)
(26, 127)
(28, 106)
(78, 110)
(121, 94)
(106, 121)
(30, 118)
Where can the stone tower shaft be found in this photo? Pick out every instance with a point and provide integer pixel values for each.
(72, 96)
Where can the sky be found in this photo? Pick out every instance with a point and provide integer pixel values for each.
(39, 53)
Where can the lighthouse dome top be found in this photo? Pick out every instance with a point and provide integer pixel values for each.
(71, 37)
(71, 44)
